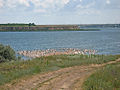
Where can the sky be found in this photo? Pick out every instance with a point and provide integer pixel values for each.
(60, 11)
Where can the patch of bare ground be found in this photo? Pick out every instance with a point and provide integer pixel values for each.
(70, 78)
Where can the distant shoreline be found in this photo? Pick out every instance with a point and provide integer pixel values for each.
(32, 27)
(17, 27)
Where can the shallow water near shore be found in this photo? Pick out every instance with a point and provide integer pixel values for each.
(106, 41)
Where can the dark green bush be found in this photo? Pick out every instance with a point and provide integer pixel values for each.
(6, 53)
(2, 59)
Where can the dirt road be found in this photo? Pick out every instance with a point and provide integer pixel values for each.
(70, 78)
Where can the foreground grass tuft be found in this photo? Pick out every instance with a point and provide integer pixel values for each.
(14, 70)
(107, 78)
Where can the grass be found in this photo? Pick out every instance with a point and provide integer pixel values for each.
(14, 25)
(107, 78)
(14, 70)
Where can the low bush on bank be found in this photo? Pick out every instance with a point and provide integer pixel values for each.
(6, 53)
(107, 78)
(13, 70)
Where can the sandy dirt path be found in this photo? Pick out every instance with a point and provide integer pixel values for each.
(70, 78)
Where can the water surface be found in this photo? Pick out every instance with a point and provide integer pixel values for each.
(106, 41)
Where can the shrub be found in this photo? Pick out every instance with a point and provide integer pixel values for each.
(6, 53)
(2, 59)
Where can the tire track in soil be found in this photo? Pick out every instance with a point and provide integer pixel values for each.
(70, 78)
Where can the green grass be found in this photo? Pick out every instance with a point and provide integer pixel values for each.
(14, 25)
(14, 70)
(107, 78)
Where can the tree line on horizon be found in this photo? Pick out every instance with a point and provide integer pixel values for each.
(17, 24)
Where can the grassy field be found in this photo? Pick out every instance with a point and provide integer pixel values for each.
(14, 70)
(14, 25)
(107, 78)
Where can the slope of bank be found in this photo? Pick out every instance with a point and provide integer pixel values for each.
(14, 71)
(71, 78)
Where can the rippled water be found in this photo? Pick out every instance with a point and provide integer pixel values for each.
(106, 41)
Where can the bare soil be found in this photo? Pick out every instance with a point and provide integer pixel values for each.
(70, 78)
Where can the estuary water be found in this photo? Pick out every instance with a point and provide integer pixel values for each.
(106, 41)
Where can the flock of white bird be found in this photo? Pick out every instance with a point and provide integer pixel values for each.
(48, 52)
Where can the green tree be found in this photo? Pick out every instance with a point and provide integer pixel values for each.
(6, 53)
(29, 24)
(33, 24)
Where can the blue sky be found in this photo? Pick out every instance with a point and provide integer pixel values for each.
(60, 11)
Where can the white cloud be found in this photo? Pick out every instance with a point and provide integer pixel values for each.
(80, 0)
(24, 2)
(35, 2)
(40, 10)
(108, 1)
(90, 4)
(88, 12)
(86, 6)
(1, 3)
(76, 0)
(11, 4)
(87, 9)
(39, 5)
(80, 6)
(48, 5)
(15, 3)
